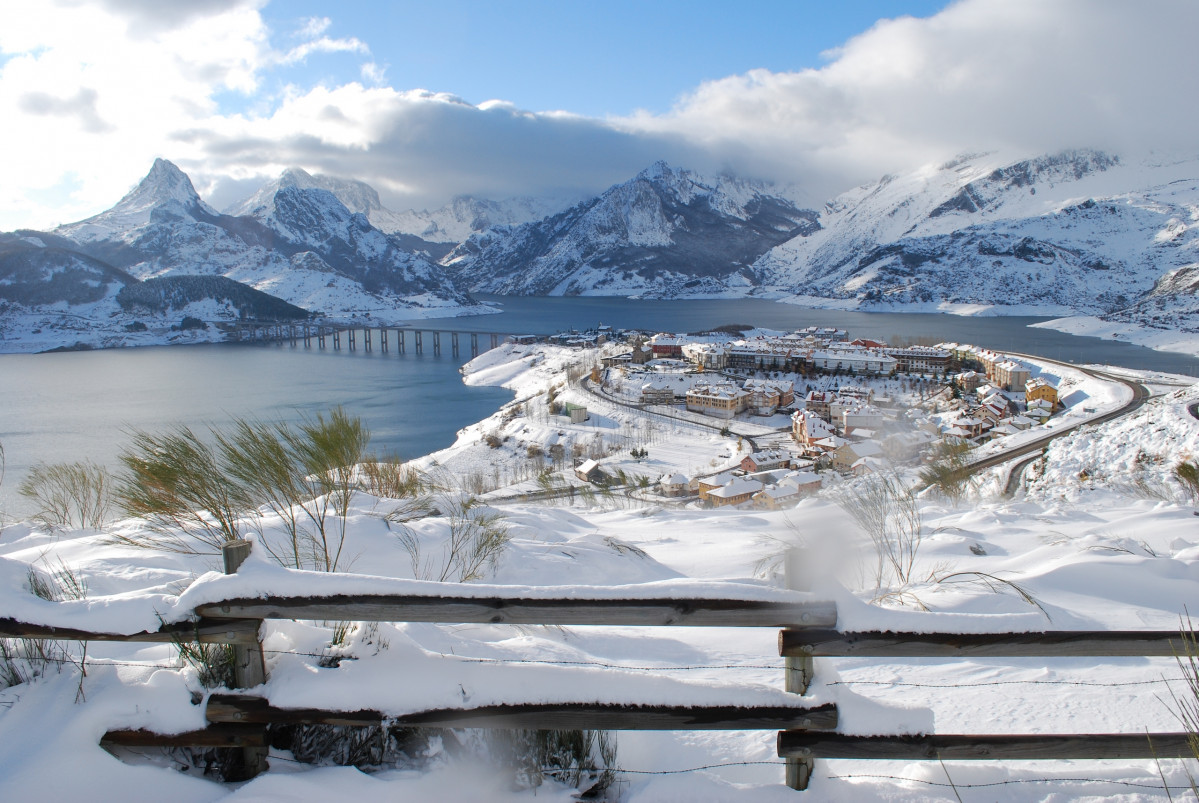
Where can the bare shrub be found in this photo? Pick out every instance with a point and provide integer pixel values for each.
(72, 495)
(888, 513)
(477, 537)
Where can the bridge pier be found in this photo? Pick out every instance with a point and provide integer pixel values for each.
(366, 337)
(436, 343)
(474, 345)
(320, 336)
(454, 343)
(383, 339)
(400, 341)
(291, 330)
(307, 337)
(416, 336)
(337, 339)
(495, 340)
(350, 336)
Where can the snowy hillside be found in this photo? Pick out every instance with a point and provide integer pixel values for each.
(1082, 548)
(666, 233)
(1079, 232)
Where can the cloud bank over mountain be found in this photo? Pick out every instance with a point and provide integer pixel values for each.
(94, 90)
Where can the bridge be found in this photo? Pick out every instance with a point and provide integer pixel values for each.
(335, 334)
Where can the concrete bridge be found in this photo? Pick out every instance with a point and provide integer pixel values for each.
(336, 335)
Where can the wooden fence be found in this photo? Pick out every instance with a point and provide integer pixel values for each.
(805, 732)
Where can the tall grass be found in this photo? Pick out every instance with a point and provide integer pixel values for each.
(23, 660)
(196, 494)
(176, 483)
(70, 495)
(476, 538)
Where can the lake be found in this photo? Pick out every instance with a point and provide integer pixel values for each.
(76, 405)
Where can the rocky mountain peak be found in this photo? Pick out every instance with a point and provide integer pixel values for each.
(163, 184)
(356, 195)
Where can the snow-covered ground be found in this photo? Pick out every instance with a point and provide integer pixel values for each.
(1102, 538)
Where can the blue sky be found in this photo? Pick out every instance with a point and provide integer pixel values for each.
(425, 101)
(589, 58)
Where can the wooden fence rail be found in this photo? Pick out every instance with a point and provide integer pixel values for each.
(1048, 644)
(531, 611)
(1013, 747)
(246, 709)
(805, 733)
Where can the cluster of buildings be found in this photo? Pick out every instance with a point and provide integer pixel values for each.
(843, 429)
(802, 351)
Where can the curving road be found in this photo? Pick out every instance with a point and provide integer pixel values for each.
(1034, 448)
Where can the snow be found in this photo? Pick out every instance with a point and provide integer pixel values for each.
(1099, 538)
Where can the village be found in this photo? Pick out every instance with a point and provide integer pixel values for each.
(781, 415)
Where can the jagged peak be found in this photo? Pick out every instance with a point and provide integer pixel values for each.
(357, 196)
(659, 170)
(165, 182)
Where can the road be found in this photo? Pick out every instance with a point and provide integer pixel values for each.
(1034, 448)
(1030, 450)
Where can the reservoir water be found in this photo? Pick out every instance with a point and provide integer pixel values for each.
(77, 405)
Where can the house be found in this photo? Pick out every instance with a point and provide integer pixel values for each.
(1038, 414)
(1039, 389)
(868, 465)
(706, 485)
(920, 359)
(992, 411)
(589, 471)
(972, 426)
(861, 417)
(1011, 375)
(657, 393)
(767, 395)
(807, 428)
(969, 380)
(734, 493)
(847, 454)
(764, 461)
(807, 482)
(674, 485)
(667, 346)
(722, 400)
(777, 497)
(818, 401)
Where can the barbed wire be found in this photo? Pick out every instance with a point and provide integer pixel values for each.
(1006, 782)
(97, 662)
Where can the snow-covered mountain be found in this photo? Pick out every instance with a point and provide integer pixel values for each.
(467, 215)
(297, 243)
(1074, 233)
(667, 232)
(432, 231)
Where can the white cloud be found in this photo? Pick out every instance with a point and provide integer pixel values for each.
(94, 91)
(1024, 76)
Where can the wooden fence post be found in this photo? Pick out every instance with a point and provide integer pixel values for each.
(798, 669)
(249, 667)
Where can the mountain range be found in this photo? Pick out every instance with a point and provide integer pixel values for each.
(1073, 233)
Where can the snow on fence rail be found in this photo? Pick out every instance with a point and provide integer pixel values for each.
(805, 733)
